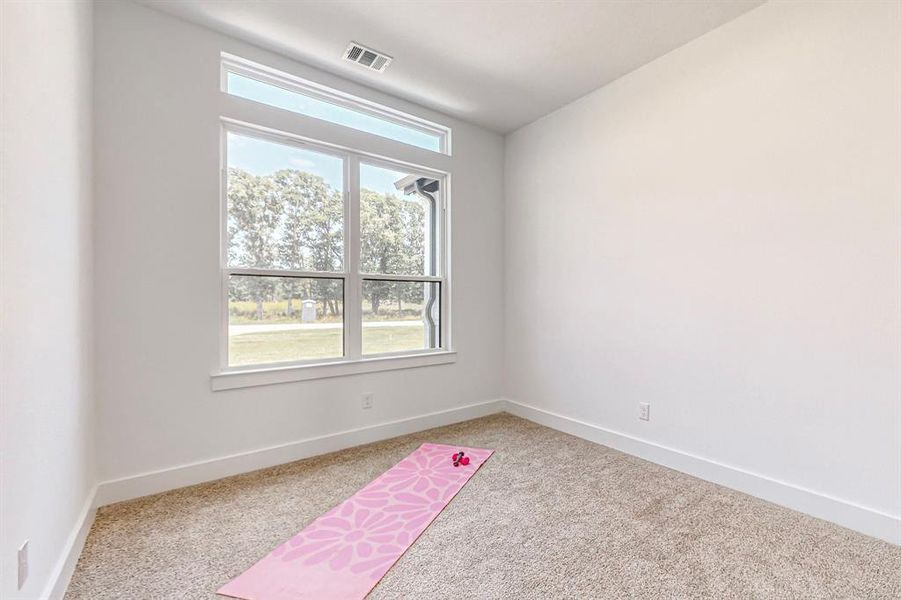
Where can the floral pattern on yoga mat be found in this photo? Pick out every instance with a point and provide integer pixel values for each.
(368, 532)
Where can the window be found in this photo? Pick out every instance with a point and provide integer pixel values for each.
(330, 256)
(334, 259)
(257, 83)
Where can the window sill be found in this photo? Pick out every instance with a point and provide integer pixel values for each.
(229, 380)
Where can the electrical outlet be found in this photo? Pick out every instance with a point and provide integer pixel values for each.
(644, 411)
(367, 402)
(23, 564)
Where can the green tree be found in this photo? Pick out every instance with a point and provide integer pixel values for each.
(393, 234)
(294, 220)
(311, 233)
(254, 215)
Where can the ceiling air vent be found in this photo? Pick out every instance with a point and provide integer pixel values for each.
(367, 57)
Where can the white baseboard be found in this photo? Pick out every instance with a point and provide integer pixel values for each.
(163, 480)
(842, 512)
(65, 565)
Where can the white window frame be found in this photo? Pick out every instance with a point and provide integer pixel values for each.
(353, 361)
(304, 87)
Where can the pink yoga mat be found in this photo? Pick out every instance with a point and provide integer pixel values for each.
(346, 551)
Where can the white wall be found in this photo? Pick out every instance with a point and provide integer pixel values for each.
(717, 233)
(46, 408)
(157, 278)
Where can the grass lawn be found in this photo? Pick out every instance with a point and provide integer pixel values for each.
(293, 345)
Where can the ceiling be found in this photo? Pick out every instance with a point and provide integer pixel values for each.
(499, 64)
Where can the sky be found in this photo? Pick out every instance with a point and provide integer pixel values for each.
(260, 156)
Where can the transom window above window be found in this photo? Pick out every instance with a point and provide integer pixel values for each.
(328, 255)
(267, 86)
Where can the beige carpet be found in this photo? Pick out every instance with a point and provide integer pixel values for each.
(548, 516)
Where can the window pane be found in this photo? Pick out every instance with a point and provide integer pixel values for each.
(282, 319)
(285, 206)
(397, 226)
(295, 101)
(400, 315)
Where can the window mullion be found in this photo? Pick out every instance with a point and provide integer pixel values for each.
(353, 306)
